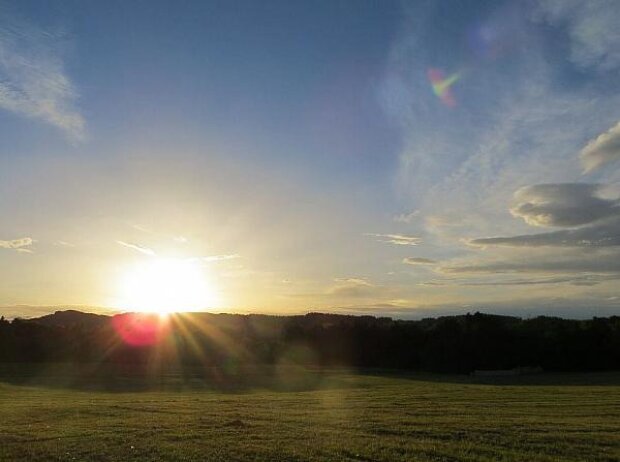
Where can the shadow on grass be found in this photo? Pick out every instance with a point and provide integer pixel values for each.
(606, 378)
(132, 378)
(115, 378)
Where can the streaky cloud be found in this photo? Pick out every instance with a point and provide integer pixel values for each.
(592, 27)
(34, 82)
(418, 261)
(602, 150)
(406, 217)
(601, 235)
(214, 258)
(600, 264)
(396, 239)
(137, 248)
(578, 280)
(355, 288)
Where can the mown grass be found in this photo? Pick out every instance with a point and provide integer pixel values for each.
(340, 417)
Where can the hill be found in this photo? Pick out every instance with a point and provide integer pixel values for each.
(68, 318)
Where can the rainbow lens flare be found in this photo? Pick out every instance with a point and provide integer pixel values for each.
(441, 85)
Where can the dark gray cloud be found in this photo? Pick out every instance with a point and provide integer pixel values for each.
(563, 204)
(602, 235)
(593, 220)
(592, 263)
(602, 150)
(577, 280)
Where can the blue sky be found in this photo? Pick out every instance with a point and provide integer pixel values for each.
(299, 152)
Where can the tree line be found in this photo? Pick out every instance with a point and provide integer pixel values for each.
(453, 344)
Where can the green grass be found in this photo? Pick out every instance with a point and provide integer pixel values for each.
(343, 417)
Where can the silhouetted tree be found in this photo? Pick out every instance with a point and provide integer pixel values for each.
(455, 344)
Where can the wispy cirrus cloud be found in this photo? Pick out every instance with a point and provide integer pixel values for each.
(397, 239)
(34, 82)
(20, 245)
(151, 253)
(215, 258)
(64, 244)
(137, 248)
(592, 27)
(406, 217)
(418, 261)
(354, 287)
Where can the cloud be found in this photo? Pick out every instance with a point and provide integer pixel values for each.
(515, 125)
(418, 261)
(523, 115)
(569, 205)
(397, 239)
(20, 245)
(602, 235)
(406, 217)
(592, 219)
(34, 83)
(143, 229)
(213, 258)
(353, 281)
(64, 244)
(137, 248)
(591, 263)
(592, 27)
(578, 280)
(151, 253)
(563, 204)
(354, 287)
(601, 150)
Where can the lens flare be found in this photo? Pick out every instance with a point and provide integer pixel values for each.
(141, 329)
(441, 85)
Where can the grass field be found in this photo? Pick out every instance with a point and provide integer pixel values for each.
(341, 417)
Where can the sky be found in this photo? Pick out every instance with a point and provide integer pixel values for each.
(403, 159)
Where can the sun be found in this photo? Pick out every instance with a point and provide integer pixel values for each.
(166, 285)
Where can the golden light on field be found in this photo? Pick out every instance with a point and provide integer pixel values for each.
(165, 285)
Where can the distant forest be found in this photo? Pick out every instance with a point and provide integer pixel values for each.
(454, 344)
